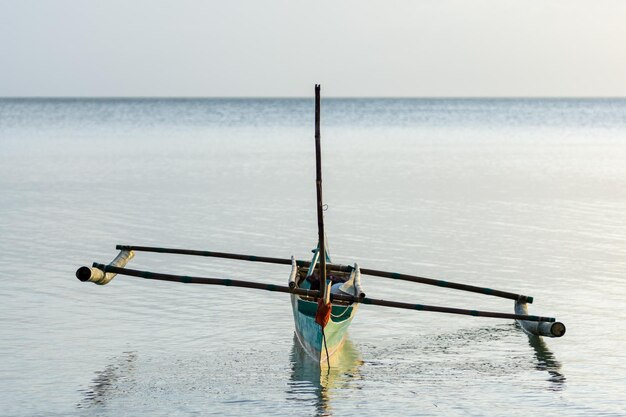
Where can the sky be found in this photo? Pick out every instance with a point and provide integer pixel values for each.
(277, 48)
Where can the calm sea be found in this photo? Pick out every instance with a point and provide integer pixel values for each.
(526, 196)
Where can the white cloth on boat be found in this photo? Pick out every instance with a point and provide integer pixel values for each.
(351, 286)
(337, 289)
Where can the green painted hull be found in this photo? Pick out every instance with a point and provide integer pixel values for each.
(309, 333)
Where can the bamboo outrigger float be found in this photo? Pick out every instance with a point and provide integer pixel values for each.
(324, 296)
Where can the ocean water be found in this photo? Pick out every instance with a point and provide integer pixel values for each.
(526, 196)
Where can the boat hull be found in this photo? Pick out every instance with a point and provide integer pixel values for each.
(309, 333)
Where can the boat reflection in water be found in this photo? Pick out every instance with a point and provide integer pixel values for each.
(546, 361)
(323, 382)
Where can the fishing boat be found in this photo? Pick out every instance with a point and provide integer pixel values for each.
(321, 325)
(321, 342)
(324, 296)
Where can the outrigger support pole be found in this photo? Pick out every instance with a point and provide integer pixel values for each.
(316, 294)
(337, 267)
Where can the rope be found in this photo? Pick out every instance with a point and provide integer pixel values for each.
(340, 314)
(326, 348)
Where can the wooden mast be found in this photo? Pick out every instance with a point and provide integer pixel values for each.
(320, 208)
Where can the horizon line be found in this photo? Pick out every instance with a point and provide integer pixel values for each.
(96, 97)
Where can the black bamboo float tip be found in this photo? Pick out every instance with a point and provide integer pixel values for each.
(83, 273)
(336, 267)
(313, 293)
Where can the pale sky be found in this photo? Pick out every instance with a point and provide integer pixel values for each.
(275, 48)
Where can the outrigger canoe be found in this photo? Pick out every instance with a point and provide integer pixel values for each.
(324, 296)
(316, 340)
